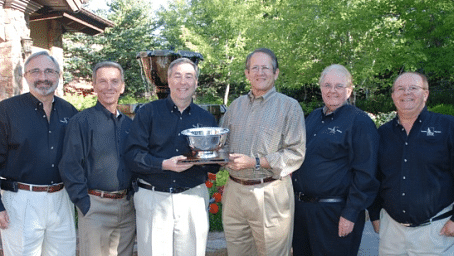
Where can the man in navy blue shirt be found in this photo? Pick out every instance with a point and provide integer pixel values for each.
(94, 172)
(413, 213)
(337, 180)
(172, 199)
(36, 215)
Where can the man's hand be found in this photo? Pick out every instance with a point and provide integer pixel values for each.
(4, 220)
(448, 229)
(172, 164)
(345, 227)
(376, 225)
(239, 162)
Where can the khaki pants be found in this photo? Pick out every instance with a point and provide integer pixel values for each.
(258, 219)
(396, 239)
(41, 223)
(108, 228)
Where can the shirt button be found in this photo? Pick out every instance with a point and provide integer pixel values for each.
(405, 160)
(315, 134)
(323, 122)
(174, 181)
(51, 147)
(404, 211)
(403, 194)
(53, 165)
(404, 178)
(179, 134)
(406, 143)
(176, 149)
(50, 131)
(181, 118)
(44, 116)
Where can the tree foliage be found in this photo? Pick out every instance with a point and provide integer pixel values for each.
(132, 33)
(375, 40)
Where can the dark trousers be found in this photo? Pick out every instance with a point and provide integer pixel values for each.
(316, 230)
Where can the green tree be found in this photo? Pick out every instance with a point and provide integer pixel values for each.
(132, 33)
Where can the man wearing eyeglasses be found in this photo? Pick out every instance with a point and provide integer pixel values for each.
(93, 169)
(267, 143)
(36, 215)
(337, 180)
(413, 212)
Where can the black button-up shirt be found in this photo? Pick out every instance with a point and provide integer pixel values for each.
(341, 159)
(416, 170)
(93, 154)
(156, 135)
(30, 145)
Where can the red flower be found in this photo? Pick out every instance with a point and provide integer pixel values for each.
(217, 197)
(209, 184)
(214, 208)
(211, 176)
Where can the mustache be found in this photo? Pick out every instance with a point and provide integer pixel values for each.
(45, 82)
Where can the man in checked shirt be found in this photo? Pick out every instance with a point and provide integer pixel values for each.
(413, 212)
(267, 143)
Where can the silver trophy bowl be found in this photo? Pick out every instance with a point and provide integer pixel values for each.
(206, 141)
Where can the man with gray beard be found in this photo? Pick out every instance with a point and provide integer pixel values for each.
(36, 215)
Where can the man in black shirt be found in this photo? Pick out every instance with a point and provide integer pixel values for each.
(172, 199)
(93, 169)
(413, 212)
(337, 180)
(36, 215)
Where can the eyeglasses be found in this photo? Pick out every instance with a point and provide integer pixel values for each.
(47, 72)
(337, 87)
(256, 69)
(410, 89)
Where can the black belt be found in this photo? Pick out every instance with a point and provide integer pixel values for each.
(312, 199)
(429, 221)
(161, 189)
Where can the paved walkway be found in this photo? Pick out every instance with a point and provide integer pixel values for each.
(216, 243)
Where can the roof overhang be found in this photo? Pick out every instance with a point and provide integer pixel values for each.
(69, 12)
(82, 21)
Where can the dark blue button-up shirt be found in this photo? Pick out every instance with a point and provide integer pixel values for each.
(341, 158)
(416, 170)
(155, 135)
(93, 154)
(30, 145)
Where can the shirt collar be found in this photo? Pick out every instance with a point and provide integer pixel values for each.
(35, 102)
(104, 110)
(172, 107)
(265, 96)
(324, 109)
(421, 116)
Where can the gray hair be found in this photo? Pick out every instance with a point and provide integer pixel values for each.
(425, 81)
(180, 61)
(267, 52)
(339, 68)
(108, 64)
(42, 53)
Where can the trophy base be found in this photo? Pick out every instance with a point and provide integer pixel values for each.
(209, 157)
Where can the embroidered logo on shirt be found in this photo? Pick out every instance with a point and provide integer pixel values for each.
(65, 120)
(334, 130)
(430, 131)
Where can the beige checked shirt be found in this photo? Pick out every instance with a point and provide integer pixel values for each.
(270, 126)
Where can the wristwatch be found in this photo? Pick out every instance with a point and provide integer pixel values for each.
(257, 163)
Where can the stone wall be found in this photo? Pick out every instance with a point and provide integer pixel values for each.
(14, 27)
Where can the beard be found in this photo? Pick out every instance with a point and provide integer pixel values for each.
(45, 90)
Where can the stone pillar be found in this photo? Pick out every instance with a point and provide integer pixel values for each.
(11, 58)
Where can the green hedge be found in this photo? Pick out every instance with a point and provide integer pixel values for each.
(443, 109)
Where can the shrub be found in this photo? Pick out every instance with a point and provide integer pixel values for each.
(443, 109)
(382, 118)
(216, 186)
